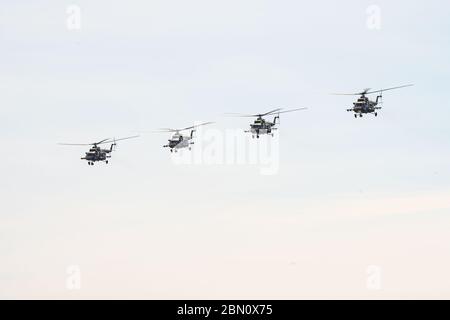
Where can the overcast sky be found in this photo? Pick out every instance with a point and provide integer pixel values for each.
(351, 200)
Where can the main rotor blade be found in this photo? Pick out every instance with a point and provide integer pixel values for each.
(100, 142)
(195, 126)
(293, 110)
(75, 144)
(347, 94)
(270, 112)
(162, 130)
(241, 115)
(84, 144)
(399, 87)
(120, 139)
(109, 140)
(366, 91)
(253, 115)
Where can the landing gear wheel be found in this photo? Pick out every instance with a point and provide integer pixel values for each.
(356, 116)
(107, 162)
(257, 136)
(171, 150)
(190, 148)
(360, 115)
(376, 114)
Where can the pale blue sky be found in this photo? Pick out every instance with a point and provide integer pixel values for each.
(349, 193)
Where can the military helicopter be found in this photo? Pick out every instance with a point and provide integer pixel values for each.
(364, 105)
(180, 141)
(262, 126)
(96, 153)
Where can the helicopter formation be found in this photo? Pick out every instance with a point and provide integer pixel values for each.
(260, 126)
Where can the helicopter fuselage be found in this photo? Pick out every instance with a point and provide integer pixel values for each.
(96, 154)
(262, 126)
(363, 106)
(179, 141)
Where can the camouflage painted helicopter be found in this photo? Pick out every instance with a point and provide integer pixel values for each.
(262, 126)
(180, 141)
(96, 153)
(364, 105)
